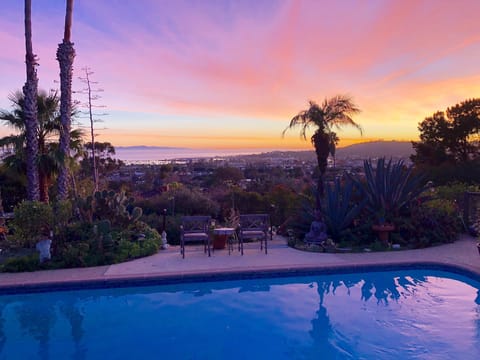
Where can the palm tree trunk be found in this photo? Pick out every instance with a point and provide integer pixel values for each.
(322, 149)
(44, 187)
(43, 178)
(30, 108)
(65, 57)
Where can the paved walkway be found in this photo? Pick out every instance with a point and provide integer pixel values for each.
(169, 264)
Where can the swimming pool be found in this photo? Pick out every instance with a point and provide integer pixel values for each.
(421, 314)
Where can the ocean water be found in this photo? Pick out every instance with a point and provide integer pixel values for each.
(158, 154)
(408, 314)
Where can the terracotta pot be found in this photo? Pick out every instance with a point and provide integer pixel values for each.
(383, 231)
(219, 242)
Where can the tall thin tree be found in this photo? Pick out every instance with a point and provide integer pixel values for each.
(30, 108)
(335, 112)
(92, 96)
(65, 57)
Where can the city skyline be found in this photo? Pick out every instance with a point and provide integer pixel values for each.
(231, 74)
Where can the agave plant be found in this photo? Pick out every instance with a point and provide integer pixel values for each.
(340, 208)
(389, 187)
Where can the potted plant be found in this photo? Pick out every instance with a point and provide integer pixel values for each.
(219, 241)
(220, 237)
(382, 227)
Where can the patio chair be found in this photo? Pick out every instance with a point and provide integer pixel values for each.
(253, 226)
(195, 229)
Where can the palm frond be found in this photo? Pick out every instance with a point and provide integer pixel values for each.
(313, 116)
(339, 111)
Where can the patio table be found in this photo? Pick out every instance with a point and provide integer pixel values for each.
(230, 234)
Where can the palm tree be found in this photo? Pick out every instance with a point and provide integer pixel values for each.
(333, 139)
(30, 110)
(335, 112)
(65, 56)
(45, 137)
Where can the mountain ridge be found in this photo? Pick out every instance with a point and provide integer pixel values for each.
(369, 149)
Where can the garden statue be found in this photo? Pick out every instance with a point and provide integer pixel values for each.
(164, 241)
(164, 244)
(317, 234)
(43, 247)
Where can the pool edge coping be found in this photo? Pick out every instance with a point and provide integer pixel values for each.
(137, 280)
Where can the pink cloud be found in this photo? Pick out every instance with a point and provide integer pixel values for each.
(263, 60)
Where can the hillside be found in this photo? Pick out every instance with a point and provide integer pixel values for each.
(401, 149)
(373, 149)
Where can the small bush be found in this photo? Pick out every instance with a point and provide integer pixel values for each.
(62, 216)
(454, 191)
(32, 222)
(20, 264)
(72, 255)
(128, 250)
(447, 206)
(358, 236)
(431, 223)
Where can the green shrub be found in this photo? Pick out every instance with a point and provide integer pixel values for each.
(78, 232)
(448, 206)
(377, 246)
(173, 230)
(172, 226)
(86, 247)
(430, 225)
(128, 250)
(63, 212)
(20, 264)
(358, 236)
(32, 222)
(72, 255)
(62, 216)
(454, 191)
(153, 220)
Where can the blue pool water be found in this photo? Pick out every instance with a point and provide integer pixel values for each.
(415, 314)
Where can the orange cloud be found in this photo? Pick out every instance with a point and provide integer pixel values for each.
(246, 68)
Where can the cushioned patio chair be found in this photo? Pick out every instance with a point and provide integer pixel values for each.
(254, 226)
(195, 229)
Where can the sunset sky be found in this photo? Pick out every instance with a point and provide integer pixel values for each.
(232, 73)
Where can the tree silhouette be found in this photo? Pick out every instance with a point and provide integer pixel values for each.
(65, 57)
(30, 108)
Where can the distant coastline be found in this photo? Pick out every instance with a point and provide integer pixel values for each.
(148, 154)
(147, 147)
(157, 154)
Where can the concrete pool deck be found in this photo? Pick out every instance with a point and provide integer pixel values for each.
(168, 264)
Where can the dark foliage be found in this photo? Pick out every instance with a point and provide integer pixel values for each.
(446, 137)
